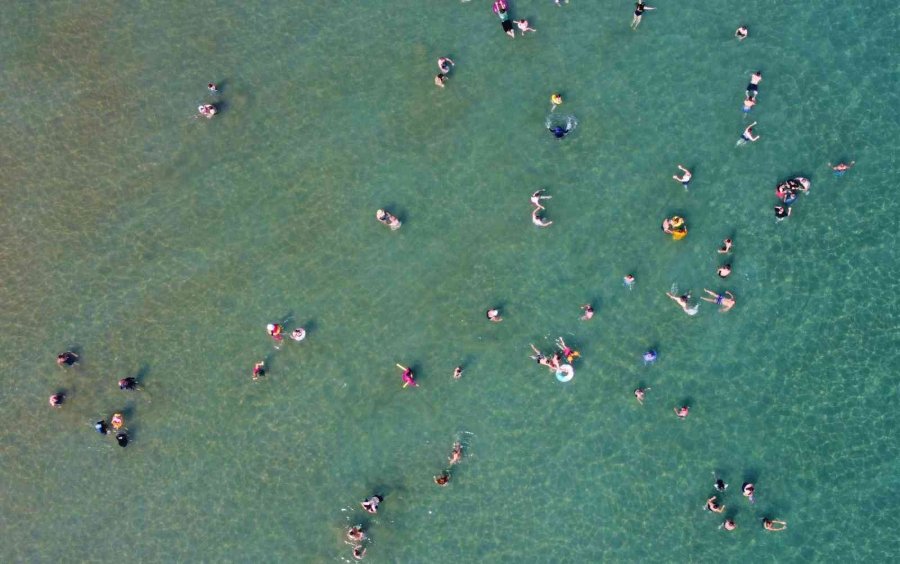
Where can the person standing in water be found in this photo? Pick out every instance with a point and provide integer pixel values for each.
(726, 246)
(741, 33)
(440, 79)
(493, 314)
(129, 383)
(685, 178)
(56, 400)
(371, 504)
(639, 9)
(639, 394)
(628, 281)
(457, 373)
(588, 312)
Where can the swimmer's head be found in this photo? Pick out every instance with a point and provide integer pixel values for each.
(270, 328)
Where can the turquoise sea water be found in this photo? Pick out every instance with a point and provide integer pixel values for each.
(160, 245)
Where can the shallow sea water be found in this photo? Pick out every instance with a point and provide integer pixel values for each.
(160, 245)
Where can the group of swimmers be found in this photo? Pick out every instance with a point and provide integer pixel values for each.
(209, 110)
(357, 534)
(565, 353)
(747, 490)
(787, 192)
(276, 331)
(117, 421)
(726, 300)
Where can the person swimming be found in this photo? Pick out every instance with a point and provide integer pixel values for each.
(259, 370)
(539, 357)
(741, 33)
(457, 372)
(538, 220)
(129, 383)
(639, 394)
(773, 524)
(101, 427)
(274, 330)
(841, 168)
(711, 505)
(385, 218)
(56, 400)
(493, 314)
(122, 439)
(782, 212)
(650, 356)
(728, 525)
(537, 196)
(440, 79)
(639, 9)
(356, 533)
(443, 479)
(682, 411)
(569, 353)
(685, 178)
(207, 110)
(748, 489)
(67, 358)
(588, 312)
(628, 281)
(505, 23)
(298, 334)
(747, 135)
(724, 271)
(725, 300)
(753, 87)
(720, 485)
(371, 504)
(359, 552)
(726, 246)
(749, 102)
(445, 64)
(683, 301)
(117, 421)
(556, 99)
(559, 131)
(456, 454)
(523, 26)
(407, 376)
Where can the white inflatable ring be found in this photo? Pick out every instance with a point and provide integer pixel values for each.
(565, 373)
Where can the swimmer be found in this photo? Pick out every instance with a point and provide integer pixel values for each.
(720, 484)
(359, 552)
(741, 33)
(56, 400)
(371, 504)
(555, 362)
(747, 135)
(555, 100)
(748, 490)
(408, 377)
(639, 9)
(724, 271)
(101, 427)
(539, 357)
(841, 168)
(559, 131)
(122, 439)
(536, 198)
(493, 314)
(773, 524)
(782, 212)
(259, 370)
(274, 330)
(683, 302)
(558, 4)
(504, 21)
(298, 334)
(457, 373)
(711, 505)
(639, 394)
(685, 178)
(444, 64)
(207, 110)
(456, 453)
(628, 281)
(212, 88)
(725, 300)
(356, 533)
(567, 351)
(726, 246)
(443, 479)
(749, 102)
(523, 26)
(650, 357)
(682, 412)
(673, 226)
(67, 358)
(588, 312)
(753, 87)
(440, 79)
(117, 421)
(128, 383)
(728, 525)
(538, 220)
(385, 218)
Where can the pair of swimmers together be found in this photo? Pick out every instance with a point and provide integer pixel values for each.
(726, 300)
(536, 218)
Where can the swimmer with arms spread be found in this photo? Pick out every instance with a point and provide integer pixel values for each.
(841, 168)
(773, 524)
(536, 198)
(725, 300)
(726, 246)
(639, 9)
(538, 220)
(685, 178)
(711, 505)
(747, 135)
